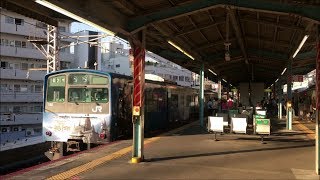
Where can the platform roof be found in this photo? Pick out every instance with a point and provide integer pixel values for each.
(263, 34)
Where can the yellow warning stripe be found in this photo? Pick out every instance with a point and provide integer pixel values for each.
(310, 134)
(92, 164)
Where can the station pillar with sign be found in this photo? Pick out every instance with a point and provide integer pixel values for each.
(138, 53)
(201, 96)
(219, 93)
(317, 135)
(289, 96)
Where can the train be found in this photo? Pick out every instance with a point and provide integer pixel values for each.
(84, 107)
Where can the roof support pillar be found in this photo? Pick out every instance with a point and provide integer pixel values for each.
(201, 96)
(219, 93)
(289, 95)
(317, 160)
(138, 48)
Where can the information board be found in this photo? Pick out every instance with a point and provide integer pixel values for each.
(262, 126)
(215, 124)
(239, 125)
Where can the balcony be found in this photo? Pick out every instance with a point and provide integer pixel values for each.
(31, 53)
(19, 119)
(21, 97)
(21, 52)
(22, 74)
(25, 30)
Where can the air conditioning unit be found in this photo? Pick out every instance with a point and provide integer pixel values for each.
(29, 132)
(5, 129)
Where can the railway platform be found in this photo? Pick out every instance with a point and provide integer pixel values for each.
(191, 153)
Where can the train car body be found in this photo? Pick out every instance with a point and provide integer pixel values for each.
(84, 106)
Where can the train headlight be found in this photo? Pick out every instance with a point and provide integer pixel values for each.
(102, 135)
(49, 133)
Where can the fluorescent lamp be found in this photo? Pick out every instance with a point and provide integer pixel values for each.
(271, 85)
(181, 50)
(230, 84)
(277, 80)
(300, 45)
(73, 16)
(284, 70)
(224, 80)
(212, 72)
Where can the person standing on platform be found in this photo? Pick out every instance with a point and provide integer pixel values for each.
(224, 106)
(215, 105)
(230, 103)
(210, 107)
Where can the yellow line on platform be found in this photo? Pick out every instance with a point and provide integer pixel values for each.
(310, 134)
(92, 164)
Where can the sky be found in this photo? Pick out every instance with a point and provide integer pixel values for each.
(76, 27)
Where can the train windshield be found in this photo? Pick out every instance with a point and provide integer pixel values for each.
(88, 95)
(56, 88)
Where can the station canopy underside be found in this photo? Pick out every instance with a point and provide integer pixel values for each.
(263, 34)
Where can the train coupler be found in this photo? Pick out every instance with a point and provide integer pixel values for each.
(73, 146)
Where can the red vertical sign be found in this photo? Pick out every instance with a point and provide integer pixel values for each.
(138, 76)
(318, 76)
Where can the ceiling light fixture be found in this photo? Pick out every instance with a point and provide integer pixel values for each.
(180, 49)
(277, 80)
(284, 70)
(212, 72)
(73, 16)
(300, 45)
(224, 80)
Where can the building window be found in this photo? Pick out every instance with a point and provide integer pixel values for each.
(175, 78)
(41, 25)
(17, 43)
(23, 109)
(62, 29)
(9, 20)
(3, 87)
(24, 66)
(16, 109)
(11, 43)
(4, 109)
(38, 88)
(38, 109)
(19, 21)
(16, 88)
(4, 64)
(64, 65)
(117, 65)
(187, 79)
(23, 44)
(24, 88)
(181, 78)
(37, 65)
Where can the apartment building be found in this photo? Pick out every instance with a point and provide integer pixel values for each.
(21, 87)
